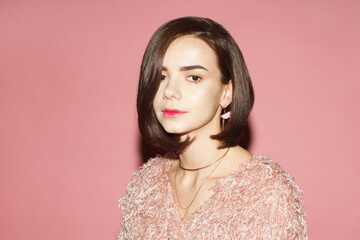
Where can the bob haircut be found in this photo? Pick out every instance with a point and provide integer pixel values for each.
(231, 64)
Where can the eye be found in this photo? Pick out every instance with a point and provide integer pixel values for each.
(194, 78)
(162, 77)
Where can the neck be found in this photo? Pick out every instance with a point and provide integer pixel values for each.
(200, 153)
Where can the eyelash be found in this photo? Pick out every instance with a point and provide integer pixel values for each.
(194, 80)
(190, 78)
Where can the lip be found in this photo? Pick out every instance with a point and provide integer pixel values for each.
(172, 112)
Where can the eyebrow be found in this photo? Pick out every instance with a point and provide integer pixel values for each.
(187, 68)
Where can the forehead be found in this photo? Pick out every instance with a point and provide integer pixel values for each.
(189, 50)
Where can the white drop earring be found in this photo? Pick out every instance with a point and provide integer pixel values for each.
(224, 116)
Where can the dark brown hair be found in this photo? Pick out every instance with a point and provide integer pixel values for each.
(232, 67)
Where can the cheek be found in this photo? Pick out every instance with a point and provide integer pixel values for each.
(157, 100)
(207, 98)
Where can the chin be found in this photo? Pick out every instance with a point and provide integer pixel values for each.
(175, 129)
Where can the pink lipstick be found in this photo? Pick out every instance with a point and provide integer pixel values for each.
(172, 112)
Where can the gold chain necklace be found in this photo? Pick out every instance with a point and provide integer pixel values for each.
(197, 192)
(196, 169)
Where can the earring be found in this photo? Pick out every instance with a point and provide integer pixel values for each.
(224, 116)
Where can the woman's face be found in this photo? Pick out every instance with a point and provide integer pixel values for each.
(190, 96)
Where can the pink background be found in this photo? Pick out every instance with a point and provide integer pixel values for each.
(68, 130)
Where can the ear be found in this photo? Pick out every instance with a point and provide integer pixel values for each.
(226, 98)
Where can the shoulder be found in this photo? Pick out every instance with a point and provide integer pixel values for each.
(144, 193)
(270, 192)
(153, 167)
(280, 200)
(267, 180)
(150, 175)
(268, 173)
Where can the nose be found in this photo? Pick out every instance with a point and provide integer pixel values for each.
(172, 89)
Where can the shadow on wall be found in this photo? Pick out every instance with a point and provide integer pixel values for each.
(147, 151)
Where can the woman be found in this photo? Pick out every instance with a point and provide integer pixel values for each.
(194, 97)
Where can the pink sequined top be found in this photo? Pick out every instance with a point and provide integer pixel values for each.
(256, 201)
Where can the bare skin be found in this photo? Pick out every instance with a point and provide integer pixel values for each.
(191, 84)
(188, 182)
